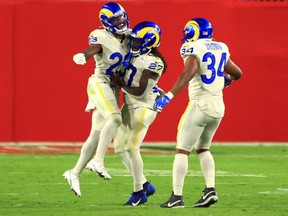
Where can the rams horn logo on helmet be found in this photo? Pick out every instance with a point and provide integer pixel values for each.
(109, 13)
(145, 36)
(197, 28)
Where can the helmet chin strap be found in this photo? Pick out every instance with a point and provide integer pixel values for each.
(135, 53)
(122, 31)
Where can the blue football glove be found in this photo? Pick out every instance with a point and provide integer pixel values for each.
(227, 80)
(160, 103)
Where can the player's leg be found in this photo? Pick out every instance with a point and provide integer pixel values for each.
(142, 119)
(87, 151)
(90, 145)
(107, 133)
(203, 150)
(102, 95)
(120, 138)
(119, 146)
(207, 163)
(190, 129)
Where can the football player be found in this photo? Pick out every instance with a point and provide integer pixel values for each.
(205, 61)
(144, 67)
(108, 46)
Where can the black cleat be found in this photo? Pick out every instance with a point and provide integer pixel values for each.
(173, 202)
(209, 198)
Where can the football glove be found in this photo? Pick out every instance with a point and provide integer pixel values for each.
(79, 58)
(160, 103)
(227, 80)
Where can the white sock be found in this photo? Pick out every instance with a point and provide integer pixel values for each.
(106, 135)
(87, 152)
(137, 169)
(124, 156)
(126, 161)
(180, 169)
(208, 168)
(144, 180)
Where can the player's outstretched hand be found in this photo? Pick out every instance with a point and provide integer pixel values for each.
(79, 59)
(227, 80)
(160, 103)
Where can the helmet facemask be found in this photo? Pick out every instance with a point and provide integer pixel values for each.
(135, 45)
(119, 24)
(140, 44)
(144, 37)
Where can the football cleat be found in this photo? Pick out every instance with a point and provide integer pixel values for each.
(99, 169)
(174, 202)
(148, 189)
(209, 198)
(137, 198)
(73, 181)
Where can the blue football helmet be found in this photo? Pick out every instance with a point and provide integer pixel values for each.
(114, 18)
(197, 28)
(144, 36)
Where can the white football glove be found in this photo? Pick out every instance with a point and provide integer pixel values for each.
(79, 58)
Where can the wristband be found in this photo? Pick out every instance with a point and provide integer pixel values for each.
(169, 95)
(229, 77)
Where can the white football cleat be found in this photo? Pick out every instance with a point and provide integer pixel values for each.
(73, 182)
(99, 169)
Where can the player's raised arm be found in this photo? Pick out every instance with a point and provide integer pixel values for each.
(82, 57)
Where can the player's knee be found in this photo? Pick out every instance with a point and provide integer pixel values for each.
(134, 151)
(199, 151)
(116, 119)
(182, 151)
(118, 147)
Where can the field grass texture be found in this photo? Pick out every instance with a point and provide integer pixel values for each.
(250, 180)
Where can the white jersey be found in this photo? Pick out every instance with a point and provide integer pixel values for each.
(207, 84)
(212, 57)
(109, 60)
(133, 75)
(112, 55)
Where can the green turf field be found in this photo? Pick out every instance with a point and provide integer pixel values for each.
(251, 180)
